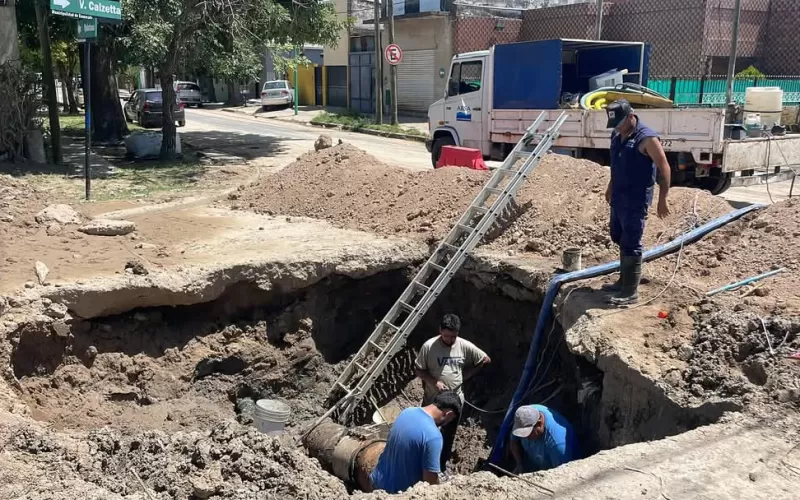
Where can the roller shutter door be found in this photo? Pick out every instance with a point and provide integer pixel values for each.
(415, 81)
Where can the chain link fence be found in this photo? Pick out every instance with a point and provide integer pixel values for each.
(690, 40)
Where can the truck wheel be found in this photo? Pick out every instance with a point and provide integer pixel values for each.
(199, 105)
(717, 185)
(436, 149)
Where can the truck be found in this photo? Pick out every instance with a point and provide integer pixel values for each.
(493, 95)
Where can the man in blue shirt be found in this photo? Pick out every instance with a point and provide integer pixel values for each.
(636, 153)
(414, 446)
(541, 439)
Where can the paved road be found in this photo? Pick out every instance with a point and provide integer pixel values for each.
(290, 139)
(294, 139)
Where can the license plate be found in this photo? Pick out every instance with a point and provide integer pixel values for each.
(274, 94)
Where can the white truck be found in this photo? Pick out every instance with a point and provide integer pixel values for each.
(494, 95)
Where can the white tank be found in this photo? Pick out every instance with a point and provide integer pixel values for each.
(766, 101)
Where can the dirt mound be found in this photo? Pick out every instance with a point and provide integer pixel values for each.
(19, 202)
(561, 205)
(227, 461)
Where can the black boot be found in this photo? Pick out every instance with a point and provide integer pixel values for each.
(630, 275)
(617, 285)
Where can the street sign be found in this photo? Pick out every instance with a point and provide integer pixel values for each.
(87, 29)
(86, 9)
(393, 54)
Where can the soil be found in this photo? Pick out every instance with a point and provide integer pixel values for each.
(352, 189)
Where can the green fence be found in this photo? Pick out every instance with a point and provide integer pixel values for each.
(711, 92)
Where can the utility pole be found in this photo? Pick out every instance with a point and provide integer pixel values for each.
(378, 65)
(48, 82)
(296, 95)
(731, 105)
(599, 22)
(392, 67)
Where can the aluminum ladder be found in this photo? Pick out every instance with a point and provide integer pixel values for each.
(357, 379)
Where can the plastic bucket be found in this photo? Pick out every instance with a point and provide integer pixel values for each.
(571, 259)
(271, 416)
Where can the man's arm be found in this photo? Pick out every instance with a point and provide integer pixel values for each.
(653, 149)
(430, 461)
(516, 451)
(430, 477)
(469, 372)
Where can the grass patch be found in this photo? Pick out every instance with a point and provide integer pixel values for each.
(358, 122)
(74, 125)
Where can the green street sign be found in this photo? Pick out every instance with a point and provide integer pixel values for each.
(87, 29)
(86, 9)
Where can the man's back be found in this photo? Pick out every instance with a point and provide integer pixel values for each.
(414, 445)
(557, 446)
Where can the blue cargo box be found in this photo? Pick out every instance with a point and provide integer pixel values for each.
(534, 75)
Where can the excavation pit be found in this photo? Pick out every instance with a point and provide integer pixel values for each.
(193, 369)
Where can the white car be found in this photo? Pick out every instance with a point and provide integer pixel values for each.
(189, 93)
(277, 93)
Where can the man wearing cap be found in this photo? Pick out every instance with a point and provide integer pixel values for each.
(636, 155)
(444, 363)
(541, 439)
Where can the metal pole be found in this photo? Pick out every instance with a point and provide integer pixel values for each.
(737, 11)
(392, 67)
(87, 102)
(599, 21)
(378, 65)
(296, 86)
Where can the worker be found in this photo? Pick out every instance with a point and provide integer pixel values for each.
(636, 154)
(414, 445)
(541, 439)
(444, 363)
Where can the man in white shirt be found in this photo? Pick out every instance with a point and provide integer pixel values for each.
(444, 363)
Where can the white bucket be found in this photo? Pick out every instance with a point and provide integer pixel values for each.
(271, 416)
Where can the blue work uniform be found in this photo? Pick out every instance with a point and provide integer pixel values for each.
(633, 176)
(414, 445)
(558, 445)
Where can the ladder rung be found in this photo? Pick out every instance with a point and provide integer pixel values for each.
(505, 171)
(436, 266)
(479, 208)
(451, 247)
(406, 306)
(360, 367)
(424, 287)
(341, 385)
(391, 325)
(465, 228)
(496, 190)
(376, 346)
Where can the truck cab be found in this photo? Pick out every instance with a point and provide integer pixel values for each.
(460, 116)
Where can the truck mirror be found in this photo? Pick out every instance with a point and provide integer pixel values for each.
(452, 89)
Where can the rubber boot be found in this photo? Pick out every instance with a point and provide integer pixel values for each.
(617, 285)
(630, 274)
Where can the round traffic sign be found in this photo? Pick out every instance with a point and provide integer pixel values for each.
(393, 54)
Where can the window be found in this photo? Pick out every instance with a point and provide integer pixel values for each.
(465, 78)
(362, 44)
(188, 86)
(276, 85)
(154, 97)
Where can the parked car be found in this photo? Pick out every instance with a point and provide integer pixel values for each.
(144, 106)
(277, 93)
(189, 93)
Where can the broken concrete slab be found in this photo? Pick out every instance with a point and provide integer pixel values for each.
(108, 227)
(63, 214)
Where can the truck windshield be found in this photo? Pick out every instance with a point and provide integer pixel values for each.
(465, 78)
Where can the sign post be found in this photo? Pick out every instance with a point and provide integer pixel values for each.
(87, 12)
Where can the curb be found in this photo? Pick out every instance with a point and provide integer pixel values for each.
(392, 135)
(232, 110)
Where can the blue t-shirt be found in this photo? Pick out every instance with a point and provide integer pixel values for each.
(558, 445)
(414, 445)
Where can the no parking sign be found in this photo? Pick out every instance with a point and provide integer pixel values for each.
(393, 54)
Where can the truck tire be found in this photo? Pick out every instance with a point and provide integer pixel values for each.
(717, 185)
(438, 143)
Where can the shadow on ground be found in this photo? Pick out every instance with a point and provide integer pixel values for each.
(247, 146)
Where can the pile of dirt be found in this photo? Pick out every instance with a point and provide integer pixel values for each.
(561, 205)
(19, 202)
(226, 461)
(741, 356)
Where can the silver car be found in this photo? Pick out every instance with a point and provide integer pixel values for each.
(277, 93)
(189, 93)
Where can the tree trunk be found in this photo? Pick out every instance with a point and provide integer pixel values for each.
(108, 121)
(70, 86)
(234, 96)
(64, 99)
(48, 83)
(168, 104)
(209, 84)
(9, 47)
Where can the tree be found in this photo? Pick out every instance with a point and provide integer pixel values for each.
(108, 120)
(48, 82)
(65, 58)
(165, 32)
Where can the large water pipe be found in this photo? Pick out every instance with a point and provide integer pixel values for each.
(347, 455)
(592, 272)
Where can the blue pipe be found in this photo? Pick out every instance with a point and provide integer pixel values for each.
(552, 291)
(745, 282)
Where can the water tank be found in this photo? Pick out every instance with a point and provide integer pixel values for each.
(766, 101)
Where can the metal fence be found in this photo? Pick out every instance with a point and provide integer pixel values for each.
(690, 40)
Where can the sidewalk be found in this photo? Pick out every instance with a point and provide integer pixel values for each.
(306, 113)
